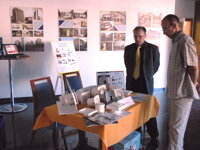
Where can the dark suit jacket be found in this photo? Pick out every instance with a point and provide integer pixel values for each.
(151, 62)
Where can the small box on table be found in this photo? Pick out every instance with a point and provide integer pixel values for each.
(131, 142)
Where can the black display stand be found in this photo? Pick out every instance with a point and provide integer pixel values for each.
(12, 107)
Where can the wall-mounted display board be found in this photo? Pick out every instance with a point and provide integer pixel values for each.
(27, 28)
(112, 30)
(111, 77)
(65, 56)
(72, 25)
(152, 22)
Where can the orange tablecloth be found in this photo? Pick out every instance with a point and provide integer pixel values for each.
(109, 134)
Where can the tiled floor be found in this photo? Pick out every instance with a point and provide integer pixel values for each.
(23, 125)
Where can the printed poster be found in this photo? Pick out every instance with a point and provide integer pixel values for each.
(65, 56)
(152, 22)
(72, 25)
(27, 28)
(112, 30)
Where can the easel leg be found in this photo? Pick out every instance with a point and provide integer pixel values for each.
(59, 77)
(56, 83)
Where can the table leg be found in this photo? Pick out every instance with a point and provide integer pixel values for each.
(55, 136)
(100, 144)
(82, 141)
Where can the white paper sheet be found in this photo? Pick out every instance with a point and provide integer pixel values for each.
(128, 101)
(66, 109)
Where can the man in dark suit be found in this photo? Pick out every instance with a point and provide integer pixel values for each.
(142, 62)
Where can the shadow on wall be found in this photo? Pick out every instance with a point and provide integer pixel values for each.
(39, 64)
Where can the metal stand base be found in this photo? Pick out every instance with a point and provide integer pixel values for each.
(7, 108)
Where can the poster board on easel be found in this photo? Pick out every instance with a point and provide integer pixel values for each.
(65, 57)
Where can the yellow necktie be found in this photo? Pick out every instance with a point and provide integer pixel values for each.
(136, 72)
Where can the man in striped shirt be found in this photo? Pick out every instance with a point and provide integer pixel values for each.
(182, 78)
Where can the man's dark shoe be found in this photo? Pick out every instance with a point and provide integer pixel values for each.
(153, 144)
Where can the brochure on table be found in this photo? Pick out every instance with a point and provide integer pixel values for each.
(107, 117)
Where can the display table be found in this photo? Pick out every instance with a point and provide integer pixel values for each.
(12, 107)
(109, 134)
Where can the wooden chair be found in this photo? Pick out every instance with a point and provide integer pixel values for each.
(72, 81)
(43, 95)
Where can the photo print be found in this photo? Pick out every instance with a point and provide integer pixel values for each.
(145, 19)
(34, 44)
(72, 24)
(27, 28)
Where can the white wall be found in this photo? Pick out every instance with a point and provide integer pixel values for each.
(185, 8)
(42, 64)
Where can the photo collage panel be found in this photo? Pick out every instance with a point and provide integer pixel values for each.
(112, 30)
(72, 25)
(27, 28)
(152, 22)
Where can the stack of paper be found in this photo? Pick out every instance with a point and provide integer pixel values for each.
(107, 117)
(104, 118)
(140, 97)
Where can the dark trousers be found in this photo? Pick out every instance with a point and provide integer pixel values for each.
(139, 86)
(152, 128)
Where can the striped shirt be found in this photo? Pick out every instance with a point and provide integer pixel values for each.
(183, 54)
